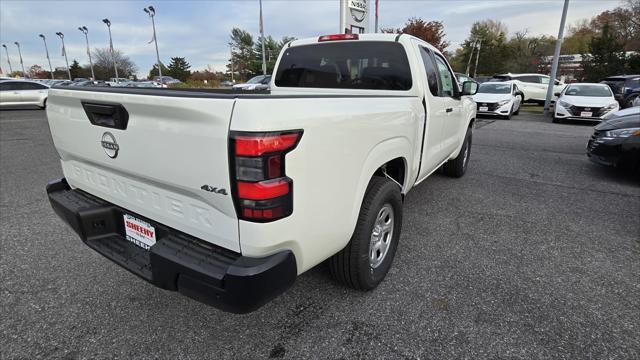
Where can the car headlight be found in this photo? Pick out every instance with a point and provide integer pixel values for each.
(564, 104)
(611, 107)
(503, 103)
(623, 133)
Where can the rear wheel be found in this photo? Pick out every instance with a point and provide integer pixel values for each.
(368, 256)
(458, 166)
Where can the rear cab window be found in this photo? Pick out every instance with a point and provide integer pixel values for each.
(365, 65)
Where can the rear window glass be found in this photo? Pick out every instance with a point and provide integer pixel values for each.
(346, 65)
(588, 90)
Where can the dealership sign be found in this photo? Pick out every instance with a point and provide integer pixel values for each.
(354, 16)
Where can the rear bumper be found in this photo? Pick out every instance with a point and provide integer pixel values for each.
(177, 262)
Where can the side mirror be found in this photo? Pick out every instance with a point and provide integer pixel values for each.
(469, 88)
(556, 94)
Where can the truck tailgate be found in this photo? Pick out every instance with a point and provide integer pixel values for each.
(171, 161)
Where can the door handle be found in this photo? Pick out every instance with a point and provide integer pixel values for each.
(449, 110)
(111, 115)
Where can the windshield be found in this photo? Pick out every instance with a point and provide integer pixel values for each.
(494, 88)
(588, 90)
(372, 65)
(255, 79)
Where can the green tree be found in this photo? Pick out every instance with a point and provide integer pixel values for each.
(242, 54)
(272, 50)
(77, 70)
(179, 69)
(526, 51)
(606, 56)
(494, 51)
(154, 71)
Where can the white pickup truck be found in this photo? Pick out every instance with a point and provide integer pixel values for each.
(226, 197)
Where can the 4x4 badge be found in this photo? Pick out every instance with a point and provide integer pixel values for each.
(212, 189)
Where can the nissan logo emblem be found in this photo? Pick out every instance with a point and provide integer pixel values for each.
(110, 145)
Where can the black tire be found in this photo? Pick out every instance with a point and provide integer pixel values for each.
(458, 166)
(517, 112)
(351, 266)
(44, 104)
(556, 120)
(508, 117)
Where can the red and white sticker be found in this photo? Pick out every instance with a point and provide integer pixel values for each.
(139, 232)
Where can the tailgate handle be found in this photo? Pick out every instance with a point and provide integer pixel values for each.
(111, 115)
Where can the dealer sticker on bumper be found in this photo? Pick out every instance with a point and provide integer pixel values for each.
(586, 114)
(139, 232)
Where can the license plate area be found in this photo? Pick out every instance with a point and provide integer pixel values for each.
(484, 108)
(139, 232)
(586, 114)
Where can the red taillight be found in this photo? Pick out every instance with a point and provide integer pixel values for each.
(338, 37)
(262, 191)
(256, 145)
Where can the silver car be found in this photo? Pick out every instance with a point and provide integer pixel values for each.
(23, 92)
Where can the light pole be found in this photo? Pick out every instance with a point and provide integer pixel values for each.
(8, 60)
(64, 52)
(152, 13)
(115, 65)
(46, 49)
(475, 69)
(85, 31)
(20, 54)
(231, 49)
(264, 62)
(556, 59)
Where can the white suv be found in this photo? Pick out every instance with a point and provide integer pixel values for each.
(533, 86)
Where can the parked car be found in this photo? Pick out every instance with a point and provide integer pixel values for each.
(626, 88)
(498, 98)
(144, 84)
(533, 86)
(616, 140)
(584, 101)
(227, 83)
(80, 79)
(167, 81)
(339, 141)
(482, 79)
(23, 92)
(260, 82)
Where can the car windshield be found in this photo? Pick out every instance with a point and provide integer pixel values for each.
(588, 90)
(255, 80)
(494, 88)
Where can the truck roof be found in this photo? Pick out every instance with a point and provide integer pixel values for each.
(402, 38)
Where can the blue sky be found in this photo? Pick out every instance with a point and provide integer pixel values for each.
(199, 30)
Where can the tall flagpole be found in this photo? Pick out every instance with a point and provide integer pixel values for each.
(377, 6)
(264, 62)
(8, 60)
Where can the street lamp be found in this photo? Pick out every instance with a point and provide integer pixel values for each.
(20, 54)
(8, 60)
(113, 58)
(264, 62)
(152, 12)
(64, 52)
(46, 49)
(85, 31)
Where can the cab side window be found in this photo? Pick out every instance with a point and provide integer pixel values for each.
(544, 80)
(432, 73)
(446, 78)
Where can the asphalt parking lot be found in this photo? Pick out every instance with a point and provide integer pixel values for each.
(535, 253)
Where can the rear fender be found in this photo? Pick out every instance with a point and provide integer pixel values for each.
(389, 149)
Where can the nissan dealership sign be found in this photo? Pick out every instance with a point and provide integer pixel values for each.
(354, 16)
